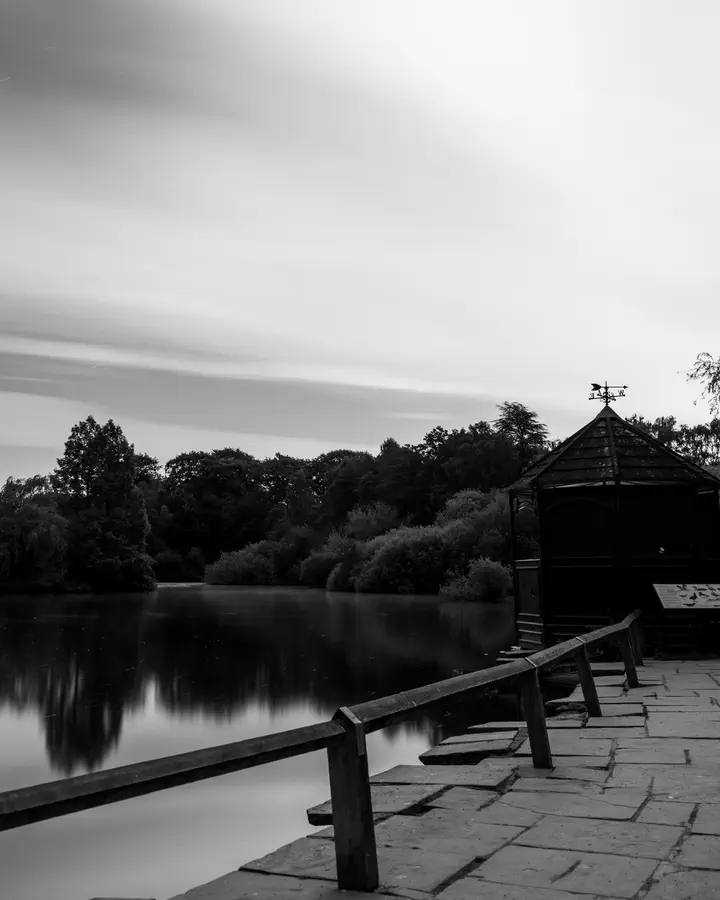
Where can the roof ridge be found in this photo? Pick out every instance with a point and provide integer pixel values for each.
(651, 439)
(542, 464)
(609, 432)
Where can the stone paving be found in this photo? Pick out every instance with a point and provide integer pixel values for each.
(630, 810)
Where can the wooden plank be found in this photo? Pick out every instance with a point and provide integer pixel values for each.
(376, 714)
(587, 681)
(60, 798)
(533, 706)
(636, 642)
(629, 660)
(355, 850)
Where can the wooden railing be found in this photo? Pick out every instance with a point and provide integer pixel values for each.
(344, 739)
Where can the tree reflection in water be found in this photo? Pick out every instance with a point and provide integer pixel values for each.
(82, 663)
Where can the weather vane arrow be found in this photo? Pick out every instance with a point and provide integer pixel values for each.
(605, 391)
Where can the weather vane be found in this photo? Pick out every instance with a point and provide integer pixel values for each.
(605, 392)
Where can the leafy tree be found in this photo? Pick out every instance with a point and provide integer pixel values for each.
(95, 480)
(486, 581)
(706, 370)
(147, 469)
(218, 501)
(33, 536)
(522, 427)
(475, 458)
(365, 522)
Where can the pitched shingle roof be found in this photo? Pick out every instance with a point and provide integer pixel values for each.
(609, 449)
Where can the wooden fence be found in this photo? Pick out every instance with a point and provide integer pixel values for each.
(344, 739)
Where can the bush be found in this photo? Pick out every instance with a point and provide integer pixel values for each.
(137, 573)
(463, 505)
(406, 561)
(486, 581)
(341, 578)
(171, 566)
(366, 522)
(253, 565)
(315, 571)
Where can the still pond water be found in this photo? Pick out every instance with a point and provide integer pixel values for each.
(92, 683)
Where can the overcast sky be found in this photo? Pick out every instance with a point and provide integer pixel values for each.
(298, 225)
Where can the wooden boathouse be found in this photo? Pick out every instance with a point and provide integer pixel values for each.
(618, 512)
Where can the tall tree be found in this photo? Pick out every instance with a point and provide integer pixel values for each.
(33, 536)
(95, 480)
(523, 428)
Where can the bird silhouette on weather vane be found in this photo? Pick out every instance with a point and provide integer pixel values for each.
(605, 391)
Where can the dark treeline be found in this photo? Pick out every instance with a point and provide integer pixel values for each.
(82, 664)
(424, 518)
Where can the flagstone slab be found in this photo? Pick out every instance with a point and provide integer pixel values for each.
(603, 690)
(451, 833)
(559, 785)
(463, 753)
(635, 777)
(663, 813)
(649, 690)
(667, 756)
(683, 726)
(385, 798)
(699, 745)
(699, 851)
(615, 722)
(707, 820)
(570, 744)
(597, 836)
(611, 710)
(563, 723)
(462, 798)
(688, 784)
(690, 682)
(577, 773)
(497, 726)
(678, 702)
(485, 775)
(607, 668)
(611, 732)
(260, 886)
(589, 762)
(610, 680)
(493, 737)
(495, 813)
(597, 874)
(475, 889)
(613, 804)
(687, 884)
(404, 867)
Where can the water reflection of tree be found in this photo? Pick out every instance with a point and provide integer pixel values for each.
(76, 662)
(82, 664)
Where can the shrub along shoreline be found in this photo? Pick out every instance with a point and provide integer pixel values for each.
(464, 555)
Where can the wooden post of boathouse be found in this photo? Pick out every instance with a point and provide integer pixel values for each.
(618, 512)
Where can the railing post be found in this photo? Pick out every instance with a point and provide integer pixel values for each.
(587, 681)
(628, 659)
(534, 709)
(355, 850)
(636, 638)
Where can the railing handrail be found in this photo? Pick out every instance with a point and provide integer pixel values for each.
(344, 739)
(59, 798)
(376, 714)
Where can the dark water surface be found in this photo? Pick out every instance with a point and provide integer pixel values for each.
(92, 683)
